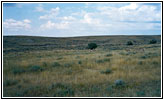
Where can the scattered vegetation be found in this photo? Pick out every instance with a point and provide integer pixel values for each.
(153, 41)
(53, 67)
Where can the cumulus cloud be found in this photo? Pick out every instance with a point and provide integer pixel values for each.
(12, 24)
(88, 19)
(131, 12)
(52, 25)
(51, 14)
(106, 19)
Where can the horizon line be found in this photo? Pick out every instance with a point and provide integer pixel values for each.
(77, 36)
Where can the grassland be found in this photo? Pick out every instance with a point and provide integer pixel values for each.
(63, 67)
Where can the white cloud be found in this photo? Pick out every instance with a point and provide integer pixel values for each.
(131, 12)
(51, 14)
(39, 8)
(67, 18)
(52, 25)
(132, 6)
(88, 19)
(27, 21)
(15, 25)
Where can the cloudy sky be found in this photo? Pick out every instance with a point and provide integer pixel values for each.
(81, 19)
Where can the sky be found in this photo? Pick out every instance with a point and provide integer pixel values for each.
(81, 19)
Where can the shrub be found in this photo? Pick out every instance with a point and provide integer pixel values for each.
(35, 68)
(109, 89)
(56, 64)
(103, 60)
(9, 82)
(140, 62)
(92, 46)
(153, 41)
(57, 85)
(79, 62)
(106, 60)
(59, 58)
(140, 93)
(129, 43)
(64, 92)
(44, 64)
(107, 71)
(143, 57)
(119, 82)
(108, 55)
(99, 61)
(123, 53)
(18, 70)
(19, 94)
(68, 64)
(155, 63)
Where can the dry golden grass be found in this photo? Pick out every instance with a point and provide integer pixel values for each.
(140, 74)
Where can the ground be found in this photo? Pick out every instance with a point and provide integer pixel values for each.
(57, 67)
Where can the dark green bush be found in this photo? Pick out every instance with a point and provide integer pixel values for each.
(144, 57)
(100, 61)
(140, 62)
(153, 41)
(92, 46)
(9, 82)
(119, 83)
(79, 62)
(129, 43)
(35, 68)
(107, 71)
(108, 55)
(18, 70)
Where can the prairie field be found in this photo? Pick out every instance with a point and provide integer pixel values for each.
(64, 67)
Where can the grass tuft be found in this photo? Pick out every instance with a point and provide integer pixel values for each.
(18, 71)
(107, 71)
(35, 68)
(56, 64)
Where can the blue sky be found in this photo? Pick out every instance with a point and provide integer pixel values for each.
(81, 19)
